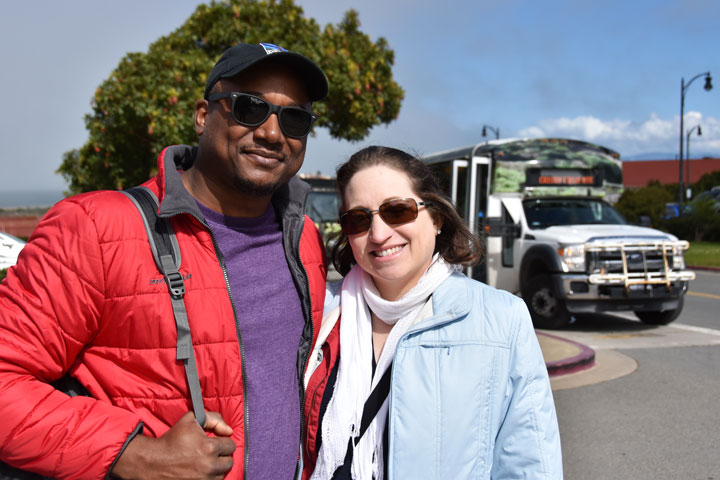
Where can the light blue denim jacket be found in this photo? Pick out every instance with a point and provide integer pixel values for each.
(470, 395)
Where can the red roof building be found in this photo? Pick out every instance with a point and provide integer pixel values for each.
(639, 173)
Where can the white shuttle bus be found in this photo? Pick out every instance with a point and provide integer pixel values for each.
(544, 208)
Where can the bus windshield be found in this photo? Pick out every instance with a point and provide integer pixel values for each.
(546, 212)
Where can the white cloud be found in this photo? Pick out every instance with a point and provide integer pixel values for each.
(654, 134)
(420, 131)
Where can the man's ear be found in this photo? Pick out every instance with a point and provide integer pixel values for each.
(201, 113)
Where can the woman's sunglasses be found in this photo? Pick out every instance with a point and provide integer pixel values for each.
(393, 212)
(252, 111)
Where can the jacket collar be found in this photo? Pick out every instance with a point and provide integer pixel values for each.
(175, 199)
(451, 300)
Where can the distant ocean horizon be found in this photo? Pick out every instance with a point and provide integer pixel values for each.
(30, 198)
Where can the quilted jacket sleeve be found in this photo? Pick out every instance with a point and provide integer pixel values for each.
(528, 443)
(50, 307)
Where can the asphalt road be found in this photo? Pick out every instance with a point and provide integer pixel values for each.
(662, 420)
(702, 303)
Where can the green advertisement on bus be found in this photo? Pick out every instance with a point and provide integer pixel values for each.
(559, 166)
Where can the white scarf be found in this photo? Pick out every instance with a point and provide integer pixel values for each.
(354, 383)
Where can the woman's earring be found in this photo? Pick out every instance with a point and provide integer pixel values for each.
(439, 231)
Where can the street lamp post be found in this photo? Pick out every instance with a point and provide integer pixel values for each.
(683, 87)
(688, 194)
(496, 131)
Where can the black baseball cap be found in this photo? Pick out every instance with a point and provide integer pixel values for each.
(244, 55)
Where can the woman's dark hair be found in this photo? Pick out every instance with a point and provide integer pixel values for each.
(456, 244)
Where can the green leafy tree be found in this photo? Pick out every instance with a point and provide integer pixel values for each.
(704, 219)
(706, 182)
(148, 101)
(649, 201)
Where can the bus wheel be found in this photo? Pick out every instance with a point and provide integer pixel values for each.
(546, 308)
(660, 318)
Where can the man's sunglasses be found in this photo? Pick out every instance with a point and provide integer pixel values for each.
(393, 212)
(252, 111)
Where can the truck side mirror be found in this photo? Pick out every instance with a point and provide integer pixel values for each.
(495, 227)
(645, 221)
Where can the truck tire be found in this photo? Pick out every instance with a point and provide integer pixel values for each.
(547, 309)
(661, 317)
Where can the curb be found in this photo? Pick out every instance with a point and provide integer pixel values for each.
(583, 360)
(708, 269)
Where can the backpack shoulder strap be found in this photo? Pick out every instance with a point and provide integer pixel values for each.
(166, 253)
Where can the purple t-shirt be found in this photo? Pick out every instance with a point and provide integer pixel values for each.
(271, 323)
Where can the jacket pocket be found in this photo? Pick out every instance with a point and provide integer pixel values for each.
(442, 401)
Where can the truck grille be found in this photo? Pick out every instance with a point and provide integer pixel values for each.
(641, 263)
(611, 261)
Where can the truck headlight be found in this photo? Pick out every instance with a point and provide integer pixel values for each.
(678, 259)
(572, 258)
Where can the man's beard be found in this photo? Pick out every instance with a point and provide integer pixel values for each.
(251, 188)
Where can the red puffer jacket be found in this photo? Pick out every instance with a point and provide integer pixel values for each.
(86, 298)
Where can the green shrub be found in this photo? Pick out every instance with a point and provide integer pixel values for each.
(3, 273)
(706, 182)
(650, 201)
(702, 224)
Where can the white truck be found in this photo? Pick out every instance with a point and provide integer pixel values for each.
(10, 247)
(543, 207)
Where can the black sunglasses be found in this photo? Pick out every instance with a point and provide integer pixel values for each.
(252, 111)
(393, 212)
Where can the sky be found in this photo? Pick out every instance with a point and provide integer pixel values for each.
(604, 72)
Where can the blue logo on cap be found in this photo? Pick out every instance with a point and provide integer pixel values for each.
(270, 48)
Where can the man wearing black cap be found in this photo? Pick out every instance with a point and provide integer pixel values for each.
(86, 299)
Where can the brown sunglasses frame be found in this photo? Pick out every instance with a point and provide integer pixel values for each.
(369, 214)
